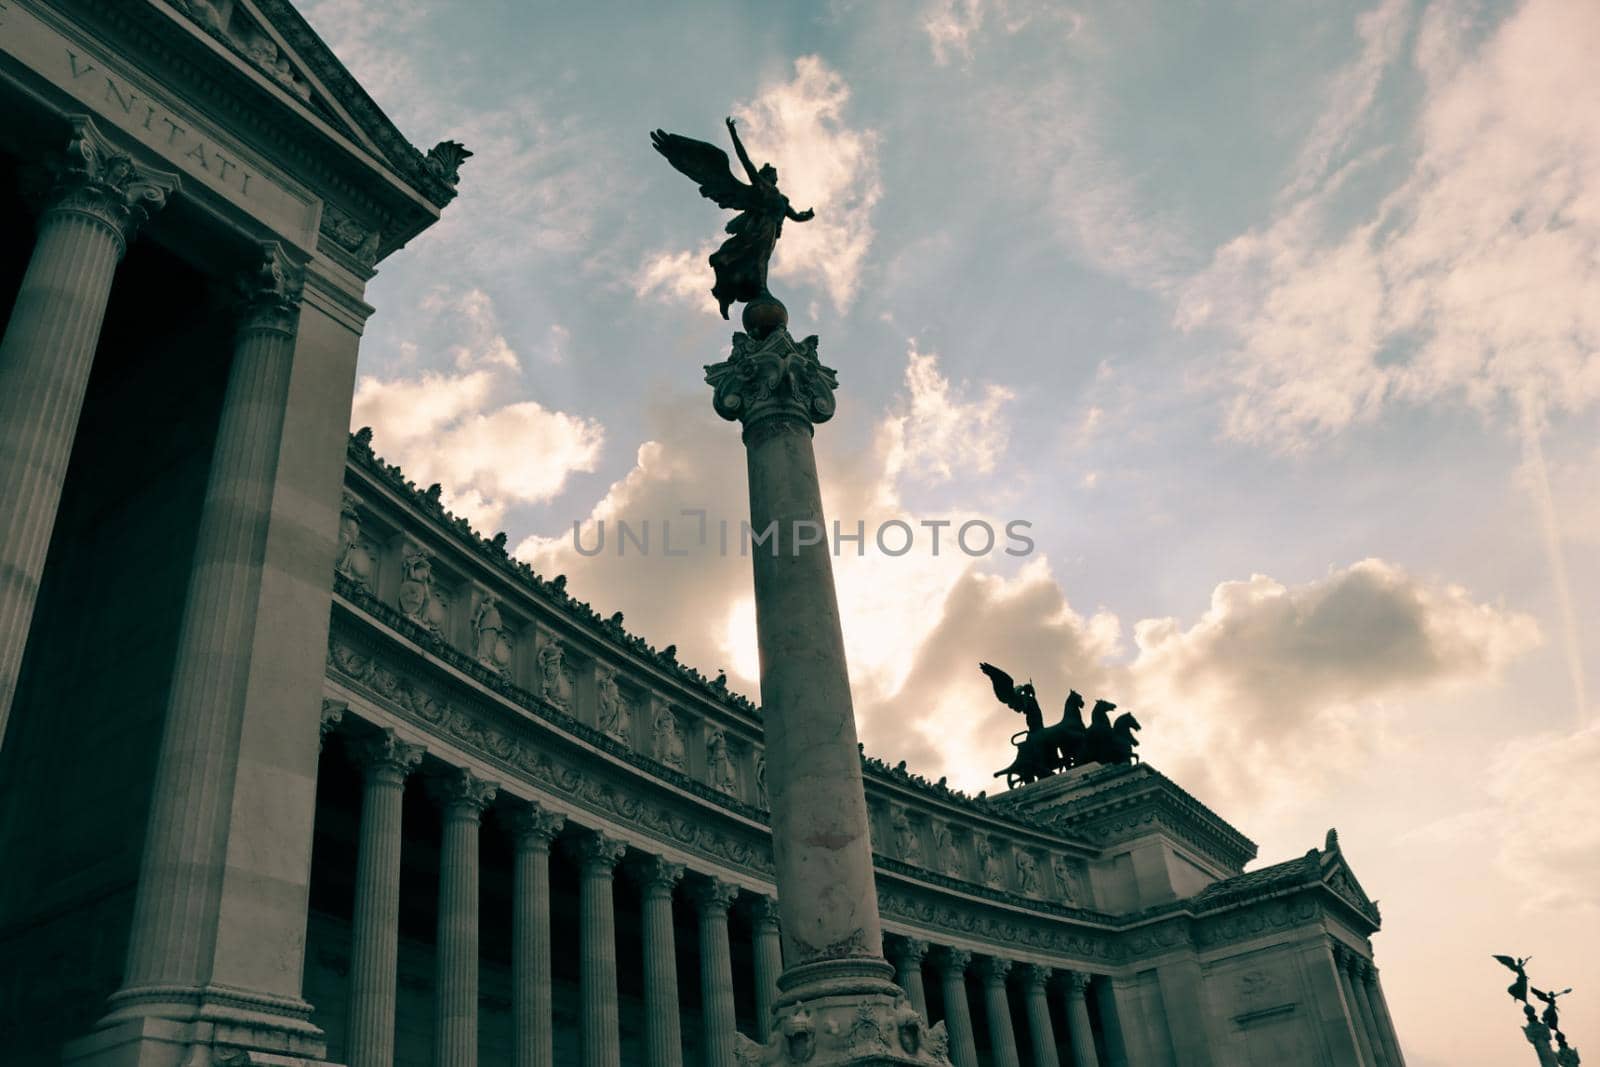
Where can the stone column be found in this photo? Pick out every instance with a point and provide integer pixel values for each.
(768, 961)
(907, 954)
(1343, 958)
(1105, 988)
(951, 963)
(375, 934)
(832, 936)
(1380, 1008)
(663, 1039)
(174, 926)
(1078, 1029)
(533, 1025)
(597, 954)
(1041, 1035)
(712, 898)
(455, 1027)
(1369, 1019)
(1002, 1042)
(99, 199)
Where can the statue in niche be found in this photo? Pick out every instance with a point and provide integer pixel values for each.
(355, 561)
(419, 600)
(989, 867)
(613, 716)
(491, 642)
(740, 265)
(554, 685)
(719, 765)
(1027, 872)
(944, 842)
(762, 800)
(667, 739)
(1066, 880)
(905, 838)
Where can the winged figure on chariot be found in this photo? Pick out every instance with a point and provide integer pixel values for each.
(1045, 750)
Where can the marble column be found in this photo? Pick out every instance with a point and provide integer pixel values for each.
(768, 961)
(375, 930)
(175, 915)
(1369, 1018)
(992, 972)
(455, 1026)
(1343, 958)
(1105, 1000)
(1380, 1007)
(1041, 1035)
(99, 199)
(907, 954)
(712, 898)
(1079, 1031)
(951, 963)
(532, 1021)
(597, 856)
(663, 1038)
(832, 934)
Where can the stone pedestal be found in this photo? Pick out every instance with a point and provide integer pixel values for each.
(99, 200)
(836, 996)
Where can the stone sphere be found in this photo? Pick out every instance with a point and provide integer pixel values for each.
(763, 315)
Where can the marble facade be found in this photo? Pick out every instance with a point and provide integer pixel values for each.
(333, 779)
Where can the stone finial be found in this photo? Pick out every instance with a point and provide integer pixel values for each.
(774, 380)
(96, 180)
(444, 160)
(535, 826)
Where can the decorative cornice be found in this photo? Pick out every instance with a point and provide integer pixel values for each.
(94, 180)
(772, 381)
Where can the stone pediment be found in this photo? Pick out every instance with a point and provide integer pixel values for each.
(1338, 877)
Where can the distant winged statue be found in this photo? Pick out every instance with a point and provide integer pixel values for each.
(1518, 965)
(1551, 1017)
(1043, 750)
(740, 264)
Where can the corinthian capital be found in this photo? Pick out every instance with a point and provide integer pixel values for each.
(714, 895)
(656, 874)
(463, 794)
(535, 826)
(95, 180)
(271, 291)
(772, 382)
(386, 757)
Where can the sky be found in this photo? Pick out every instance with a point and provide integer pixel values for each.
(1278, 322)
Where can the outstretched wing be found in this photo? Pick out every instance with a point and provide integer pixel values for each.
(708, 166)
(1510, 962)
(1005, 689)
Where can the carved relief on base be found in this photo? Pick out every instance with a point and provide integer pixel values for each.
(838, 1030)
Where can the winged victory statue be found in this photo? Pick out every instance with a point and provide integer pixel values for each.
(1044, 750)
(740, 265)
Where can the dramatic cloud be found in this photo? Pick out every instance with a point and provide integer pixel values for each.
(1547, 794)
(953, 25)
(445, 426)
(1473, 280)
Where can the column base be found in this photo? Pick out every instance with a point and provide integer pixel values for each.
(212, 1027)
(845, 1012)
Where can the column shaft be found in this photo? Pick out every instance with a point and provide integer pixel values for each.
(597, 954)
(1041, 1035)
(1380, 1007)
(375, 933)
(45, 357)
(1111, 1021)
(1078, 1028)
(1002, 1040)
(455, 1029)
(768, 962)
(533, 1025)
(663, 1035)
(1341, 958)
(1369, 1018)
(716, 972)
(907, 956)
(174, 924)
(952, 965)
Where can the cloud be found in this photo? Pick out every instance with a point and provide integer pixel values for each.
(444, 426)
(953, 25)
(677, 276)
(1546, 792)
(1471, 282)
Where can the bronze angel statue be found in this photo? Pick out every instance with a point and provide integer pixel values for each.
(740, 265)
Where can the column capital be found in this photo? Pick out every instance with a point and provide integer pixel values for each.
(1365, 971)
(993, 970)
(270, 291)
(772, 380)
(656, 875)
(463, 794)
(332, 715)
(764, 910)
(950, 961)
(713, 895)
(1078, 982)
(1035, 975)
(96, 180)
(387, 757)
(535, 826)
(910, 950)
(597, 851)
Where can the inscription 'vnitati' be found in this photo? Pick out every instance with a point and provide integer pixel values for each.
(148, 116)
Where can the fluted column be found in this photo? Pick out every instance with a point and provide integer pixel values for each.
(906, 953)
(1380, 1008)
(951, 963)
(1111, 1021)
(533, 1025)
(455, 1028)
(768, 961)
(712, 898)
(99, 199)
(174, 925)
(1078, 1029)
(375, 934)
(1342, 958)
(1041, 1035)
(1002, 1041)
(663, 1037)
(1369, 1018)
(597, 954)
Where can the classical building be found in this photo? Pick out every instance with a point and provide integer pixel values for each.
(297, 768)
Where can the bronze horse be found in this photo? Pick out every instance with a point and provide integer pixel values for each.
(1044, 750)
